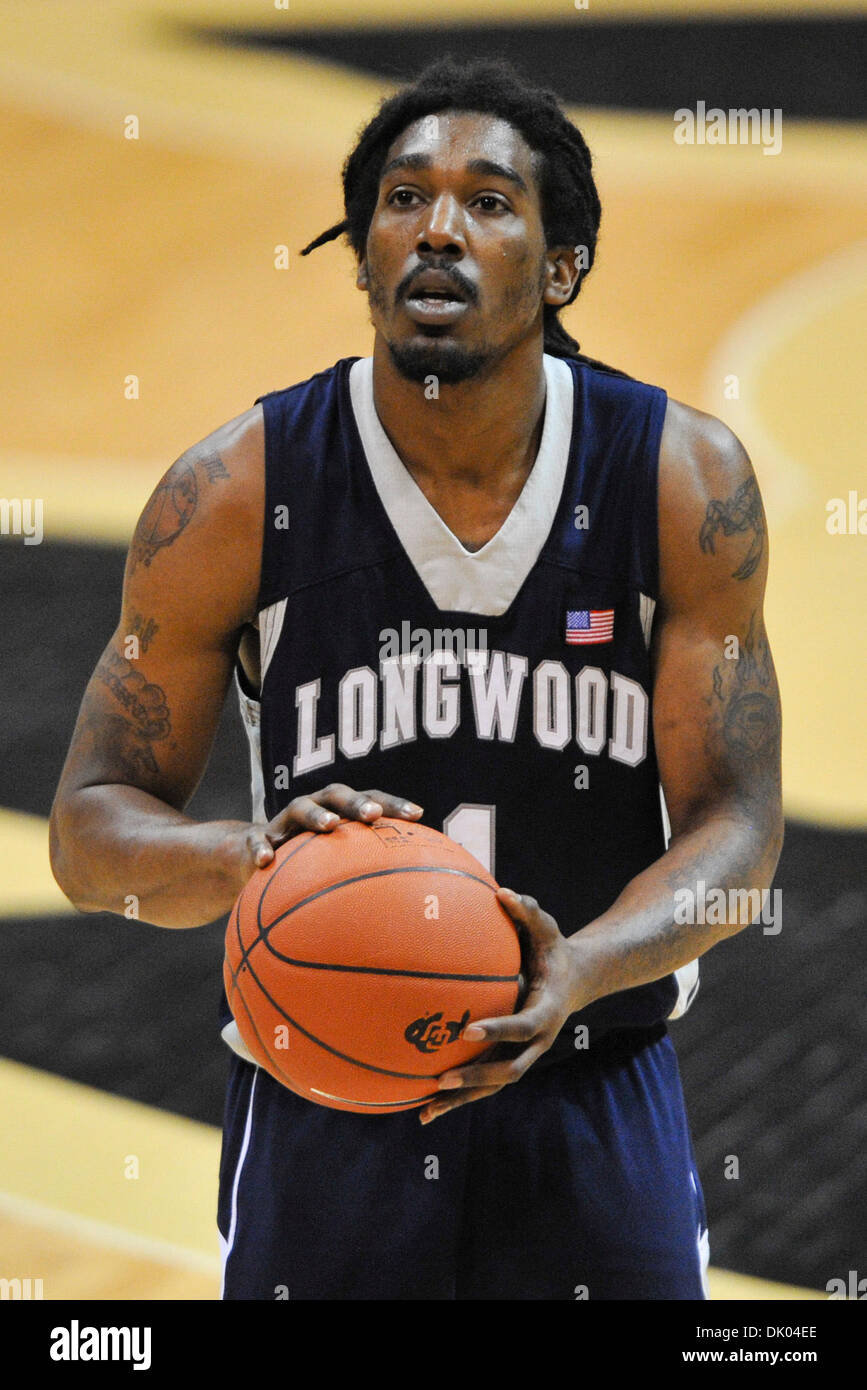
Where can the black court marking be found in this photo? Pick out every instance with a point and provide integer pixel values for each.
(335, 1052)
(805, 64)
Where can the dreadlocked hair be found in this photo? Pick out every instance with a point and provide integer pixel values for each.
(570, 203)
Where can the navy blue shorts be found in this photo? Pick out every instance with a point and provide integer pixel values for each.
(576, 1182)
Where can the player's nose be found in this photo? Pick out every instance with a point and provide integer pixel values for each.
(442, 228)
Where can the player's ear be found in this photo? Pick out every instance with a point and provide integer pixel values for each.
(361, 277)
(563, 267)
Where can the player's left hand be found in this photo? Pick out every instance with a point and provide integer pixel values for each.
(554, 991)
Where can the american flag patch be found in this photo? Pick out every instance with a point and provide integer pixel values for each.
(589, 625)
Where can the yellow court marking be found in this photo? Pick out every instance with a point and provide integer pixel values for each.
(802, 413)
(71, 1147)
(28, 889)
(105, 60)
(92, 498)
(62, 1167)
(71, 1262)
(726, 1286)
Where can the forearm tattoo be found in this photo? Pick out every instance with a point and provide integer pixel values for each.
(128, 739)
(123, 752)
(145, 629)
(743, 730)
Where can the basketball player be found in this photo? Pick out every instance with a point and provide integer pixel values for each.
(606, 546)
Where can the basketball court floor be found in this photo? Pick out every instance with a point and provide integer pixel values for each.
(160, 155)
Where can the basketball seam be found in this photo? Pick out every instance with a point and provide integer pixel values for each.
(346, 882)
(236, 989)
(320, 1042)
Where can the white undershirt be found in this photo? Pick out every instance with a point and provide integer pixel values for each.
(484, 581)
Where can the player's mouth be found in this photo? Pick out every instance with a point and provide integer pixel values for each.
(435, 308)
(434, 300)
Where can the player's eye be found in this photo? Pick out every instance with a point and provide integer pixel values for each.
(402, 197)
(494, 201)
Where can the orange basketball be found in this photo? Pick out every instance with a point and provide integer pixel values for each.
(356, 958)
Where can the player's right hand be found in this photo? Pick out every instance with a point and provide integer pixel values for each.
(320, 811)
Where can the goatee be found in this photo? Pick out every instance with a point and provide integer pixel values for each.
(448, 362)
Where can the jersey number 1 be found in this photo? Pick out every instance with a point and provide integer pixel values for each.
(472, 827)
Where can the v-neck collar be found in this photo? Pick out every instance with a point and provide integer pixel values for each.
(484, 581)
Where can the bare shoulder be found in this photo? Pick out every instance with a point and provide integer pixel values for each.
(699, 452)
(711, 520)
(202, 524)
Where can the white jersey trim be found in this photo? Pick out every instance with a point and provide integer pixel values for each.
(703, 1243)
(250, 717)
(227, 1244)
(270, 627)
(646, 610)
(270, 624)
(687, 988)
(688, 975)
(484, 581)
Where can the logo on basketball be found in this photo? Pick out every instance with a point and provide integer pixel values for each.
(394, 836)
(429, 1034)
(391, 835)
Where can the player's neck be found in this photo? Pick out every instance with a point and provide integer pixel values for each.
(482, 431)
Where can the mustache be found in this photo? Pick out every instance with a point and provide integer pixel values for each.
(452, 274)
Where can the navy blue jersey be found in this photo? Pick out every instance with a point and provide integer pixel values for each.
(507, 690)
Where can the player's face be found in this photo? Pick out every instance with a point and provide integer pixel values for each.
(455, 264)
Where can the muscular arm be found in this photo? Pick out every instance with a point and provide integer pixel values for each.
(716, 711)
(151, 707)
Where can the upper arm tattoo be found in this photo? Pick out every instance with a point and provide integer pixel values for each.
(167, 512)
(171, 505)
(742, 513)
(215, 467)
